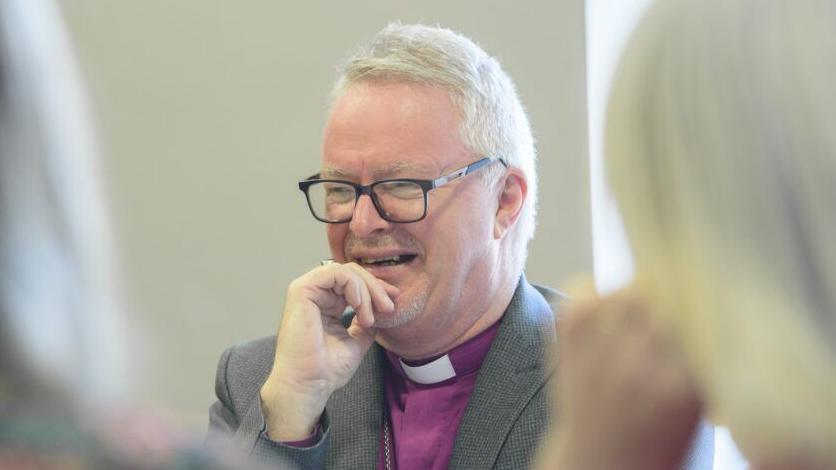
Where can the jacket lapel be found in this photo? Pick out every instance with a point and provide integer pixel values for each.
(511, 375)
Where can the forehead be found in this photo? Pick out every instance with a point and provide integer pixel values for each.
(389, 129)
(383, 170)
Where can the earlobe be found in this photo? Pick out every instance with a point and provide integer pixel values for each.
(510, 202)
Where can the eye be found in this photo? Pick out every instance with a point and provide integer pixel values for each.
(401, 189)
(336, 193)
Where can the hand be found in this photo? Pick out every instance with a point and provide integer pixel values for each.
(315, 354)
(625, 398)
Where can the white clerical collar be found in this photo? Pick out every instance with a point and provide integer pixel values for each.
(433, 372)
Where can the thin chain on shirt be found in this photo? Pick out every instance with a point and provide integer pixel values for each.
(387, 459)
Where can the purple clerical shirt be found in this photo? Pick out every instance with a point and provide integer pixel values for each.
(424, 418)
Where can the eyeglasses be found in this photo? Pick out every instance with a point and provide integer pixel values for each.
(396, 200)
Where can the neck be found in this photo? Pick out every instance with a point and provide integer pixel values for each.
(406, 343)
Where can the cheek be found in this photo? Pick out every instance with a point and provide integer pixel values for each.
(336, 240)
(455, 241)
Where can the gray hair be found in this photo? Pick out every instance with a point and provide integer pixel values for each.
(494, 121)
(722, 152)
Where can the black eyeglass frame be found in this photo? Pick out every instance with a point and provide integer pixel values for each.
(425, 185)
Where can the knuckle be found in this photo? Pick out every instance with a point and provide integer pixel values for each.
(351, 265)
(296, 284)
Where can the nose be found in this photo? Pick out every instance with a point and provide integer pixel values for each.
(366, 220)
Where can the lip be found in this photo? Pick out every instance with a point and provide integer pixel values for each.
(359, 255)
(387, 273)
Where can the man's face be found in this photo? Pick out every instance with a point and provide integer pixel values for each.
(397, 130)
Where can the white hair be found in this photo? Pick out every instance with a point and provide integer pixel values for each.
(722, 152)
(494, 121)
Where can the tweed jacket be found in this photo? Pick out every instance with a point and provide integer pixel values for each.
(505, 418)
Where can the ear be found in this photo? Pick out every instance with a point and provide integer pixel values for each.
(510, 203)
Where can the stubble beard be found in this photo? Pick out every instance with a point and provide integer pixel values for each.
(404, 313)
(407, 312)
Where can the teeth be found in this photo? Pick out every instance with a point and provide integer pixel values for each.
(394, 259)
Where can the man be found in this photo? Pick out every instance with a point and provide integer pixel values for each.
(432, 268)
(428, 189)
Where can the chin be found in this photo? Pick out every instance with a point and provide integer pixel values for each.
(405, 311)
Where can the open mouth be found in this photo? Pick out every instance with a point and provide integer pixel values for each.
(388, 260)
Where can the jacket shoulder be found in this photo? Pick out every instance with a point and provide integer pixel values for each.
(244, 367)
(554, 297)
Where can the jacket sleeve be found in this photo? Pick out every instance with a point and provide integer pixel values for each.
(223, 422)
(236, 421)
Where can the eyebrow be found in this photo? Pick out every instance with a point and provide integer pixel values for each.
(395, 169)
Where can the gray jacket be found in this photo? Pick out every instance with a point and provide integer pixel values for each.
(505, 418)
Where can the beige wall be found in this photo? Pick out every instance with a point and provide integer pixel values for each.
(210, 111)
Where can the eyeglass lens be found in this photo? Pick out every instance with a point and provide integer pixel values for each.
(401, 201)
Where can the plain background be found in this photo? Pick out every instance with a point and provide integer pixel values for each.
(210, 111)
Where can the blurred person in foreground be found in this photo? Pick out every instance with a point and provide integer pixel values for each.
(64, 390)
(722, 152)
(428, 186)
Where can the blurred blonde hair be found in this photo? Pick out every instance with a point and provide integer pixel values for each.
(721, 147)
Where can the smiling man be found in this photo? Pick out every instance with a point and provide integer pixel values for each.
(421, 345)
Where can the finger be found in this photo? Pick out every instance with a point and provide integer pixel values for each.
(330, 288)
(369, 277)
(363, 335)
(381, 291)
(362, 302)
(357, 292)
(363, 312)
(350, 287)
(374, 294)
(391, 290)
(383, 297)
